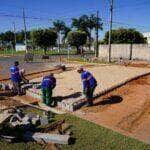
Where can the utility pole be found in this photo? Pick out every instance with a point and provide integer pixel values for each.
(110, 29)
(25, 29)
(15, 40)
(97, 45)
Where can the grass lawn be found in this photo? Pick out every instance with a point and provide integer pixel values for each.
(38, 52)
(89, 136)
(41, 52)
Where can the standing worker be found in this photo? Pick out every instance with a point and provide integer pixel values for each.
(89, 85)
(15, 78)
(48, 84)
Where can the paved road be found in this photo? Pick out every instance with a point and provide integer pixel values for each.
(37, 65)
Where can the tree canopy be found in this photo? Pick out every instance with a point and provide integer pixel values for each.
(44, 38)
(87, 24)
(77, 39)
(61, 28)
(123, 35)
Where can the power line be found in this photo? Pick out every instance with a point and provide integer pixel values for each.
(64, 12)
(41, 18)
(143, 3)
(68, 18)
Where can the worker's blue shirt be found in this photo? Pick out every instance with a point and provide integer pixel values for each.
(88, 80)
(15, 76)
(48, 82)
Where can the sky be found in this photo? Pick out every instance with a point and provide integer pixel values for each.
(40, 13)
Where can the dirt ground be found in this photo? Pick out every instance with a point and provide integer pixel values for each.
(140, 64)
(69, 83)
(126, 109)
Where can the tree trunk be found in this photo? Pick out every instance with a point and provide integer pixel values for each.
(59, 41)
(78, 50)
(45, 51)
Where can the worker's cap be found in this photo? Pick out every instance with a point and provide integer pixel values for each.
(16, 63)
(80, 69)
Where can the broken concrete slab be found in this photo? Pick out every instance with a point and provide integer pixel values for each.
(4, 117)
(44, 121)
(54, 138)
(36, 121)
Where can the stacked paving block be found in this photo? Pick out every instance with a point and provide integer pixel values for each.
(70, 104)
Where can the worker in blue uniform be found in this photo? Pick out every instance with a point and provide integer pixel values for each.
(47, 85)
(89, 85)
(16, 78)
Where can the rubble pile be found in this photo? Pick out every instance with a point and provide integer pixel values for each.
(29, 127)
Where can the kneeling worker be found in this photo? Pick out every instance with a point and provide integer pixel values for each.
(89, 85)
(16, 78)
(48, 84)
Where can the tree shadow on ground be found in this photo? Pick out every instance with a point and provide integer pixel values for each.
(110, 100)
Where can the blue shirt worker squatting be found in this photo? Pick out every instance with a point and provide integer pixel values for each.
(16, 78)
(47, 85)
(89, 85)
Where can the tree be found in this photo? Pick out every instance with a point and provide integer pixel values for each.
(94, 22)
(77, 39)
(123, 35)
(2, 38)
(58, 27)
(65, 32)
(20, 36)
(44, 38)
(8, 38)
(87, 24)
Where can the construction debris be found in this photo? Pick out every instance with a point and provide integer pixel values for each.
(8, 138)
(4, 117)
(16, 119)
(54, 138)
(53, 126)
(4, 86)
(61, 66)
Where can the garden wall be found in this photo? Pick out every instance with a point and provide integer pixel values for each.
(126, 51)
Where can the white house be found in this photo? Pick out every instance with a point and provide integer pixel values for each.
(20, 47)
(147, 36)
